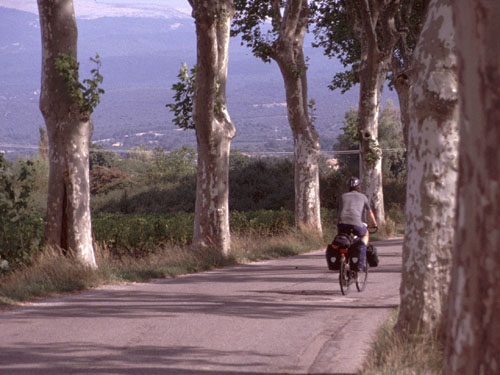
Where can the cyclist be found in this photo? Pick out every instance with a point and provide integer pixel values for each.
(352, 206)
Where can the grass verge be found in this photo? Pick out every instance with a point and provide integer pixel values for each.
(52, 273)
(392, 353)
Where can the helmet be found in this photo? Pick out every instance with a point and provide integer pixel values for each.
(353, 182)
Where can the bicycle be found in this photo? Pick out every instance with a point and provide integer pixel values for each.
(349, 272)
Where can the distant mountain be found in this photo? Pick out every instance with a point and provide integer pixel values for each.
(141, 55)
(94, 9)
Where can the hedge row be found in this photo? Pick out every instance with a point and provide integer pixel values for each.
(145, 232)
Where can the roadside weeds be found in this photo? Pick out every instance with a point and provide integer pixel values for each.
(394, 354)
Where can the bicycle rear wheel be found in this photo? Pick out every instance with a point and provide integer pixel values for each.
(362, 278)
(344, 276)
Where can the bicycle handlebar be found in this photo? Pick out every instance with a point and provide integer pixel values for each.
(372, 230)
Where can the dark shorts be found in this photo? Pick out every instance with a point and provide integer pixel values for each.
(348, 228)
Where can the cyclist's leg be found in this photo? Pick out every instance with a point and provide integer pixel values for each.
(364, 243)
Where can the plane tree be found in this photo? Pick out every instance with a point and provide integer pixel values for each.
(473, 329)
(374, 40)
(282, 40)
(211, 120)
(66, 105)
(432, 175)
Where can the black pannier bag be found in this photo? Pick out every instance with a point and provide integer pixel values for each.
(354, 255)
(342, 240)
(333, 257)
(372, 256)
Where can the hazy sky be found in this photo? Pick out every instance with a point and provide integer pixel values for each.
(172, 3)
(84, 7)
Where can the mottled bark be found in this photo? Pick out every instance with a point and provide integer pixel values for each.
(214, 129)
(473, 343)
(401, 61)
(69, 131)
(288, 52)
(371, 81)
(432, 175)
(375, 30)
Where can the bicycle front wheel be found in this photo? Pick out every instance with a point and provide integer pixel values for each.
(344, 276)
(362, 278)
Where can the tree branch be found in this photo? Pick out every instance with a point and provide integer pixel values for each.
(368, 19)
(291, 18)
(277, 12)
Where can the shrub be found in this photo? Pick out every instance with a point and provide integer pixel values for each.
(21, 229)
(262, 221)
(261, 183)
(140, 233)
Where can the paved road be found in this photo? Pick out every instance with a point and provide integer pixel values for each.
(284, 316)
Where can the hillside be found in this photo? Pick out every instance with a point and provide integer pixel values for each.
(141, 58)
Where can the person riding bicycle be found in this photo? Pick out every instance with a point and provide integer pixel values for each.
(352, 206)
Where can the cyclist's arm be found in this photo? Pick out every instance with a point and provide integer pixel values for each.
(372, 218)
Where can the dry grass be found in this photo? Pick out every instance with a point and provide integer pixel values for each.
(394, 354)
(53, 273)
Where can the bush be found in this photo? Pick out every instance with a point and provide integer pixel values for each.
(143, 196)
(140, 233)
(21, 228)
(261, 184)
(262, 221)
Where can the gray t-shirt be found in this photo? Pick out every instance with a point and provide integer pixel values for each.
(351, 208)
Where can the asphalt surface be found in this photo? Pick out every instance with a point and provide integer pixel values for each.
(283, 316)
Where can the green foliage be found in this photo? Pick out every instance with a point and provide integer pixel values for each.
(86, 94)
(335, 22)
(266, 222)
(374, 153)
(312, 111)
(138, 234)
(103, 180)
(99, 156)
(350, 138)
(262, 183)
(183, 98)
(20, 228)
(250, 21)
(390, 137)
(174, 165)
(334, 32)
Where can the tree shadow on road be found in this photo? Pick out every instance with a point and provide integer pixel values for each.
(83, 358)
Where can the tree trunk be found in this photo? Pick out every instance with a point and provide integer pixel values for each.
(375, 28)
(432, 175)
(289, 54)
(473, 342)
(214, 129)
(372, 77)
(69, 132)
